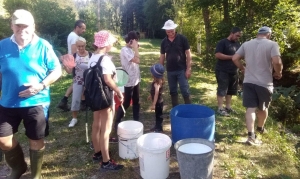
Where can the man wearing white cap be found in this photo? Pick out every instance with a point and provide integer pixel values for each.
(262, 56)
(28, 65)
(176, 50)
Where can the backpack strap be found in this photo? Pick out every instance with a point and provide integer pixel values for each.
(90, 54)
(73, 71)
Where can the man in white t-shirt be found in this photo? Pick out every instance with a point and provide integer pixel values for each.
(79, 28)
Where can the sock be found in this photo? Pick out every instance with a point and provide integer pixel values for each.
(260, 128)
(251, 134)
(97, 154)
(65, 98)
(105, 163)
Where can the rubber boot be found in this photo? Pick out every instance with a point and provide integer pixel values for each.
(187, 100)
(174, 99)
(136, 112)
(36, 161)
(15, 160)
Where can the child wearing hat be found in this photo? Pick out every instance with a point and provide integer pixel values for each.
(156, 91)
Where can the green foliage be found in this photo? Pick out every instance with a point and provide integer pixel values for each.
(60, 24)
(156, 13)
(5, 30)
(89, 16)
(284, 109)
(10, 6)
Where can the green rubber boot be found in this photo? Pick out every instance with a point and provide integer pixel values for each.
(15, 160)
(36, 161)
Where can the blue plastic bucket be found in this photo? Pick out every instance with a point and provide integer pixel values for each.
(192, 121)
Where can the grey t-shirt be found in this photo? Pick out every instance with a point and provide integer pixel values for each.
(258, 55)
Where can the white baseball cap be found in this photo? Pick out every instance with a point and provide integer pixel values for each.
(169, 25)
(22, 16)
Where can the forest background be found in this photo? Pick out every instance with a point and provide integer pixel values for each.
(203, 22)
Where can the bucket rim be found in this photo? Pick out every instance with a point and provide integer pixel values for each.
(155, 150)
(194, 140)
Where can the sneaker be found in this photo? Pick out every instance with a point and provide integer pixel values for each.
(252, 141)
(63, 105)
(222, 112)
(111, 166)
(73, 122)
(113, 140)
(230, 110)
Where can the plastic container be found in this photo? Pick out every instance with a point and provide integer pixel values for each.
(195, 157)
(116, 99)
(154, 155)
(192, 121)
(128, 133)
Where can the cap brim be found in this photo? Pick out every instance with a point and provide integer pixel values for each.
(170, 28)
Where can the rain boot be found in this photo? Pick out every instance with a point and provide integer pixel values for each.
(136, 112)
(174, 99)
(187, 100)
(36, 161)
(15, 160)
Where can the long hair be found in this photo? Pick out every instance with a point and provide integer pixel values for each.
(159, 81)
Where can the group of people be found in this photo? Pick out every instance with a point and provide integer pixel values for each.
(29, 65)
(261, 64)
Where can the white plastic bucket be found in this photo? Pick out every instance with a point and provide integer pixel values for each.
(128, 132)
(154, 155)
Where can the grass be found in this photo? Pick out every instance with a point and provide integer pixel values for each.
(68, 156)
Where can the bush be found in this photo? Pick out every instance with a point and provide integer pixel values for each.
(284, 109)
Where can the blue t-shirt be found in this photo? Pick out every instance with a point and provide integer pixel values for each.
(31, 64)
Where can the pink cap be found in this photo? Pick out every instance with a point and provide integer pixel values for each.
(103, 38)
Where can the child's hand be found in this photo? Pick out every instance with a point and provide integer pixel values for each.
(152, 107)
(149, 98)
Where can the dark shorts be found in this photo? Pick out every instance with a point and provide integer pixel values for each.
(227, 83)
(255, 96)
(35, 120)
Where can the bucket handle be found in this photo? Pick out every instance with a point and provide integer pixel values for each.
(127, 147)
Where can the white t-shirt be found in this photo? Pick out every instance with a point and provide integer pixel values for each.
(131, 68)
(107, 65)
(72, 38)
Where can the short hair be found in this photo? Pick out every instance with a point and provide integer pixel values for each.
(79, 23)
(235, 30)
(131, 36)
(81, 39)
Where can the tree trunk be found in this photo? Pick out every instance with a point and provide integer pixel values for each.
(226, 11)
(98, 14)
(207, 23)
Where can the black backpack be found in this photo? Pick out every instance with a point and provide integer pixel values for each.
(74, 55)
(97, 94)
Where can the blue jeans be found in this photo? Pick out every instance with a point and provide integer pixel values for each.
(175, 77)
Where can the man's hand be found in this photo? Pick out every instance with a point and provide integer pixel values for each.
(277, 76)
(32, 90)
(188, 73)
